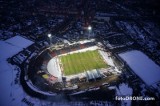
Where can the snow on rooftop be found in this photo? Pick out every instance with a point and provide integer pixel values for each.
(12, 46)
(142, 65)
(7, 50)
(125, 90)
(81, 42)
(19, 41)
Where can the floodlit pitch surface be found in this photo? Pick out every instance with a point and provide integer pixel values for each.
(79, 62)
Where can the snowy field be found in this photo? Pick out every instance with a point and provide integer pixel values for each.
(143, 66)
(11, 93)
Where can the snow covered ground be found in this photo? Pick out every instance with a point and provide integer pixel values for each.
(109, 61)
(81, 42)
(11, 92)
(143, 66)
(54, 68)
(124, 90)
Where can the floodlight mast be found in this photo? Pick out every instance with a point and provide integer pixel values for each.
(89, 30)
(49, 36)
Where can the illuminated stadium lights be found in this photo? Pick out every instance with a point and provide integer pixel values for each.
(89, 28)
(49, 36)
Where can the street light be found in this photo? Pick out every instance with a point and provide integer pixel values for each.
(49, 36)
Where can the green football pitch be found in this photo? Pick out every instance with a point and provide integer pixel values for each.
(79, 62)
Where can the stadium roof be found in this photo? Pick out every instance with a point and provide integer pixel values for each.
(94, 74)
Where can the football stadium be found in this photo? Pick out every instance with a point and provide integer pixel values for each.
(80, 53)
(67, 67)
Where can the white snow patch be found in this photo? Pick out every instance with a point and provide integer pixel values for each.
(54, 68)
(124, 90)
(12, 46)
(143, 66)
(107, 58)
(81, 50)
(19, 41)
(78, 92)
(29, 83)
(7, 50)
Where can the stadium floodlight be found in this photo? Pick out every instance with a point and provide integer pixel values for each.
(89, 28)
(89, 31)
(49, 35)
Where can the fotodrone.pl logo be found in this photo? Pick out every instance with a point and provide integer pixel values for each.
(134, 98)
